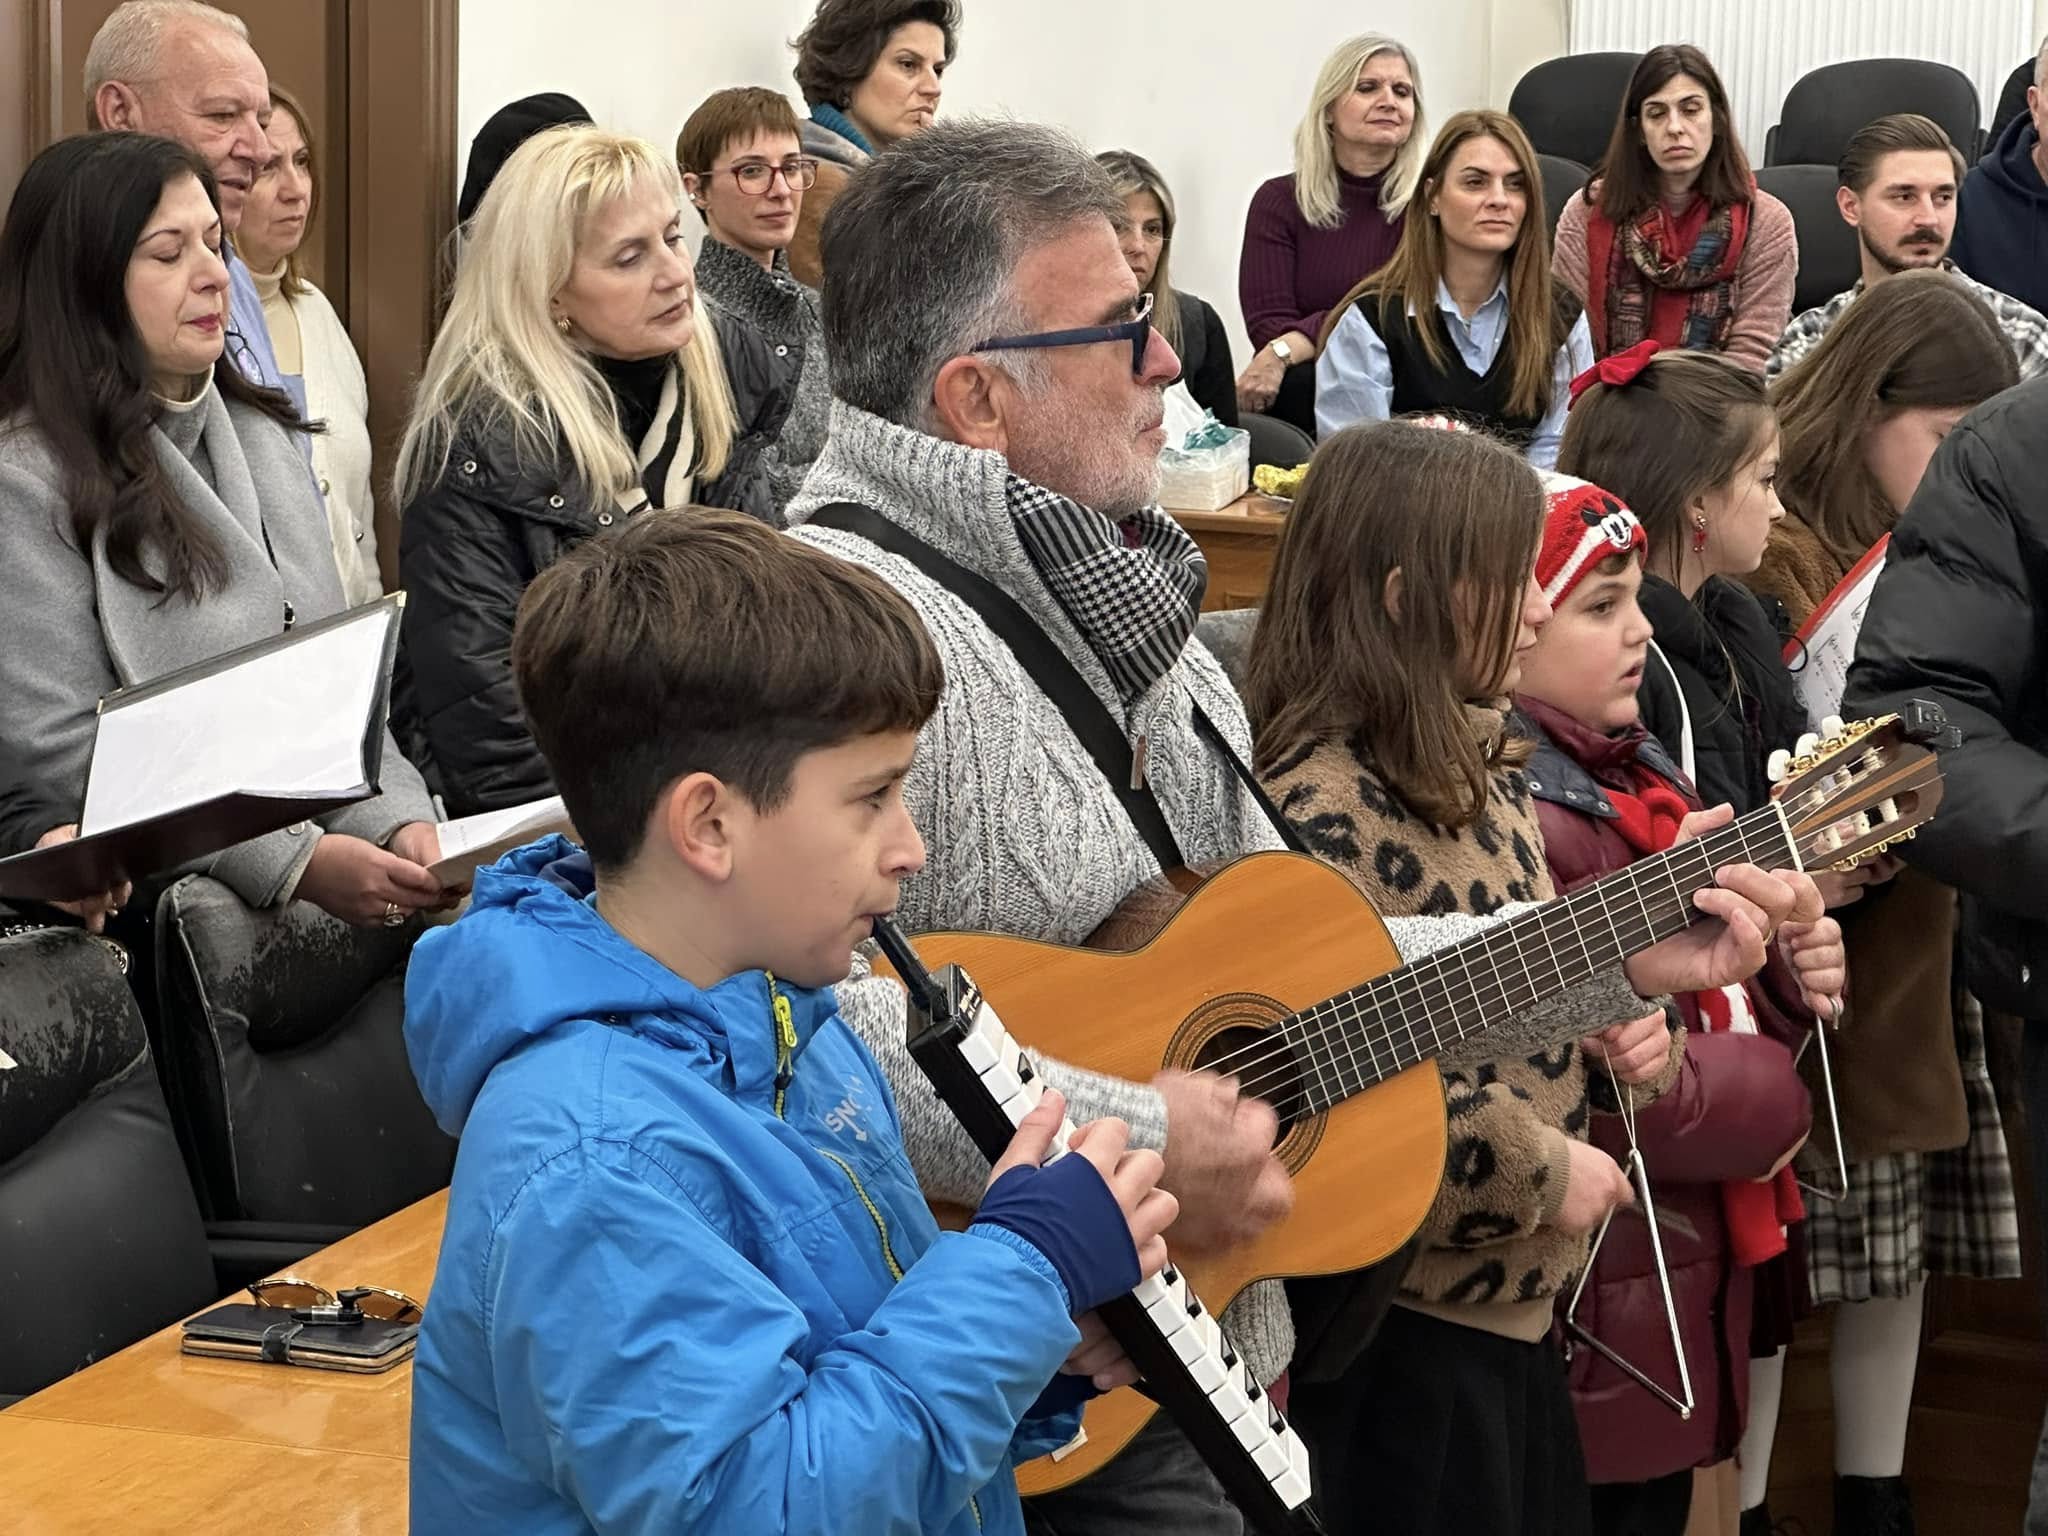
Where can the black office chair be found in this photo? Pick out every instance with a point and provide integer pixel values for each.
(1568, 106)
(2012, 103)
(1829, 260)
(287, 1072)
(1276, 442)
(102, 1238)
(1561, 178)
(1827, 105)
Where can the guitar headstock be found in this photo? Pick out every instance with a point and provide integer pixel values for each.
(1865, 786)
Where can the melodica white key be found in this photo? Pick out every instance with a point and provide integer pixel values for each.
(1189, 1364)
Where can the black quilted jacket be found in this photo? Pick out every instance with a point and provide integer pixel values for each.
(468, 546)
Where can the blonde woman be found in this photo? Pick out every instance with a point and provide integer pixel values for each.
(315, 357)
(576, 381)
(1190, 325)
(1310, 237)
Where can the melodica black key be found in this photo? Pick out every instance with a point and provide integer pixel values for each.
(1190, 1368)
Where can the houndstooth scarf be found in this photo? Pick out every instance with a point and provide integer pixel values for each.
(1132, 587)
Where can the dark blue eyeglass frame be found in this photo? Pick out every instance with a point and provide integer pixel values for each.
(1137, 331)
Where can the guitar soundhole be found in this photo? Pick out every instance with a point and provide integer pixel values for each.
(1262, 1065)
(1238, 1034)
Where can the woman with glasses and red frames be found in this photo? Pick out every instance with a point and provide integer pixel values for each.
(577, 381)
(745, 170)
(871, 73)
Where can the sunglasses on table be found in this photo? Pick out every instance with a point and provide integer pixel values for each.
(311, 1303)
(1137, 331)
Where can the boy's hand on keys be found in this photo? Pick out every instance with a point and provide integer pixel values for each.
(1133, 1177)
(1073, 1205)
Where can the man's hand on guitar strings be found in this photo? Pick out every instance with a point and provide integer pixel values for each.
(1741, 910)
(1099, 1357)
(1596, 1186)
(1635, 1050)
(1219, 1160)
(1820, 962)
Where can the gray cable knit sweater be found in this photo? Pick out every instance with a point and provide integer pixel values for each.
(1022, 833)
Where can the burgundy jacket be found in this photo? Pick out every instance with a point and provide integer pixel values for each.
(1737, 1108)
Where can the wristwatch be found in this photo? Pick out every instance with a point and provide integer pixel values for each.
(1282, 351)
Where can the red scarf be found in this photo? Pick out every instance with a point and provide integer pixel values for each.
(1756, 1212)
(1659, 278)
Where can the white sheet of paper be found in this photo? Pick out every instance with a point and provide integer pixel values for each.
(290, 721)
(1827, 644)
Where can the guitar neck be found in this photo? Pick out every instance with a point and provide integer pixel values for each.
(1413, 1014)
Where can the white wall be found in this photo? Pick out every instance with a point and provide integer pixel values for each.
(1209, 92)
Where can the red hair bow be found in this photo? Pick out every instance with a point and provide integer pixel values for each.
(1617, 370)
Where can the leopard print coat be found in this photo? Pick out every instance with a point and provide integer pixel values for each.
(1490, 1256)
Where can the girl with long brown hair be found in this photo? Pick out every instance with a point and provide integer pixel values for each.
(1464, 320)
(1671, 240)
(1401, 603)
(1929, 1185)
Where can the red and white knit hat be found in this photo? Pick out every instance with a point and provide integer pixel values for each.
(1582, 525)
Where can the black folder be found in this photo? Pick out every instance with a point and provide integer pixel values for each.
(239, 803)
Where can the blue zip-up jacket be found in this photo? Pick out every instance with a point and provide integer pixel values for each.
(663, 1307)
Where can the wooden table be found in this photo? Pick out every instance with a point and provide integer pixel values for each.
(151, 1440)
(1239, 541)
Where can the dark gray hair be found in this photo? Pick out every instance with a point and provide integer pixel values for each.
(920, 248)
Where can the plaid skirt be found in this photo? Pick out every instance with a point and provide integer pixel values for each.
(1909, 1214)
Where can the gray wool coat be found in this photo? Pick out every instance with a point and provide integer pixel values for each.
(72, 631)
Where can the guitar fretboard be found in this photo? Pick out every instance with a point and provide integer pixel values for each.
(1411, 1015)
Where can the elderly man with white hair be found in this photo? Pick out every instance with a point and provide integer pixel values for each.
(186, 71)
(2002, 219)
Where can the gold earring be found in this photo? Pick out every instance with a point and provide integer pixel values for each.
(562, 324)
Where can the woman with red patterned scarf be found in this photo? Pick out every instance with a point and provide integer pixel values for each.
(1671, 240)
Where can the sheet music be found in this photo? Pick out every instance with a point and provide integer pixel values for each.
(1820, 655)
(286, 721)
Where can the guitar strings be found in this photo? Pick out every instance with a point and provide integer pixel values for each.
(1321, 1029)
(1407, 1016)
(1541, 921)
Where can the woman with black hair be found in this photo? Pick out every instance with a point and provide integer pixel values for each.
(870, 71)
(157, 507)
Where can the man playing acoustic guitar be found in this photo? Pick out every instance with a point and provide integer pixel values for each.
(997, 391)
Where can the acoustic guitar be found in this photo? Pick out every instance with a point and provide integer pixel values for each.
(1258, 974)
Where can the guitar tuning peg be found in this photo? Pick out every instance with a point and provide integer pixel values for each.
(1832, 726)
(1778, 766)
(1806, 744)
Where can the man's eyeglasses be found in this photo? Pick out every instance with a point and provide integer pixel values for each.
(755, 177)
(1137, 331)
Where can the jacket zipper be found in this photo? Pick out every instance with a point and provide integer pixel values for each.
(785, 1057)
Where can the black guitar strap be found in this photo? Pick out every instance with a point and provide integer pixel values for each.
(1056, 677)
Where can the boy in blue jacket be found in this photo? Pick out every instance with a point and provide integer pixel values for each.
(688, 1282)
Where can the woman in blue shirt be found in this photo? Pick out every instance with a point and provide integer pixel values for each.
(1465, 321)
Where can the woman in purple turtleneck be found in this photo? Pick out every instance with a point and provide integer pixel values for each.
(1311, 237)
